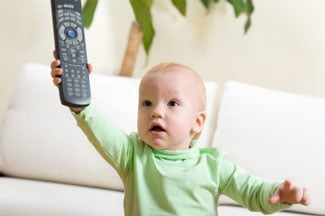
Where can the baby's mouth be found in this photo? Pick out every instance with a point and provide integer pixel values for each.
(157, 128)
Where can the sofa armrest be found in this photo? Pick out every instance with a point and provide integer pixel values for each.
(276, 135)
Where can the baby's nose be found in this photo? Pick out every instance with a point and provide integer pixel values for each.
(157, 112)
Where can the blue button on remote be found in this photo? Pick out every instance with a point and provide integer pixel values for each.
(71, 33)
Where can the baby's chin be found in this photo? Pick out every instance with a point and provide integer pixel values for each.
(157, 145)
(162, 144)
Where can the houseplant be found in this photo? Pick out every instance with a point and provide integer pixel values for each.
(142, 12)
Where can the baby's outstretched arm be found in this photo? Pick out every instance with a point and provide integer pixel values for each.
(289, 193)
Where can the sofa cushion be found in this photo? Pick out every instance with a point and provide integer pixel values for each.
(22, 197)
(39, 138)
(275, 135)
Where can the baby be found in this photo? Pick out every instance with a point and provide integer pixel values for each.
(163, 171)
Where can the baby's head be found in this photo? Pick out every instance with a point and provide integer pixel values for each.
(171, 111)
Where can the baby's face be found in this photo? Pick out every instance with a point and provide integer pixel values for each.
(170, 111)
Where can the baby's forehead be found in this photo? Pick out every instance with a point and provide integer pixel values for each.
(174, 70)
(180, 75)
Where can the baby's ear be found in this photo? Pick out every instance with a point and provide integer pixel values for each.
(199, 122)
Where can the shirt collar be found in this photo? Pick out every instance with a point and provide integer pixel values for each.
(174, 155)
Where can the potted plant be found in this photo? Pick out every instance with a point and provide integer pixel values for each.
(142, 30)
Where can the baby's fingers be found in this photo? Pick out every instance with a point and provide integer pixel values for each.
(57, 81)
(287, 184)
(274, 200)
(55, 54)
(306, 199)
(90, 68)
(55, 64)
(56, 72)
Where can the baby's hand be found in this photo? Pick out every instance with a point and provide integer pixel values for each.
(56, 72)
(288, 193)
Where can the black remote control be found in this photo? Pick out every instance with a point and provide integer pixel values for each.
(71, 50)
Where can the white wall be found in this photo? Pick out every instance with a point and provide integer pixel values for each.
(284, 48)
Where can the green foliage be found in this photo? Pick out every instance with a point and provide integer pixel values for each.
(88, 12)
(241, 7)
(142, 12)
(206, 3)
(180, 5)
(141, 9)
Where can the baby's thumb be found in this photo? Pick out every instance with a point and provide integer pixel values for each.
(274, 200)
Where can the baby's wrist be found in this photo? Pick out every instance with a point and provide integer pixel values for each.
(76, 110)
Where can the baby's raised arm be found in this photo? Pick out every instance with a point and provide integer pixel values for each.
(289, 193)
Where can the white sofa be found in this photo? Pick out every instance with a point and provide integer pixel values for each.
(49, 168)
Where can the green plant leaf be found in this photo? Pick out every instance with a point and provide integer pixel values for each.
(238, 5)
(243, 6)
(141, 9)
(249, 12)
(142, 12)
(88, 12)
(180, 5)
(206, 3)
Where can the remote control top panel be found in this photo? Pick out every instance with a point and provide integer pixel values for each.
(71, 50)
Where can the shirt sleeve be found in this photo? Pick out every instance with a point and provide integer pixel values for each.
(250, 191)
(111, 142)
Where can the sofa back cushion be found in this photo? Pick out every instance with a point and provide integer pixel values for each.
(39, 138)
(275, 135)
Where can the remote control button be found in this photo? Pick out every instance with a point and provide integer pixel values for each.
(71, 33)
(79, 30)
(61, 32)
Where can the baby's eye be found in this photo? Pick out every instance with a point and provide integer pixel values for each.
(146, 103)
(172, 103)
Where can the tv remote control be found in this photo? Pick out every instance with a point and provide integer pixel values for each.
(70, 46)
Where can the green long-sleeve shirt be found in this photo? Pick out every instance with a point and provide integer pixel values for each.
(162, 182)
